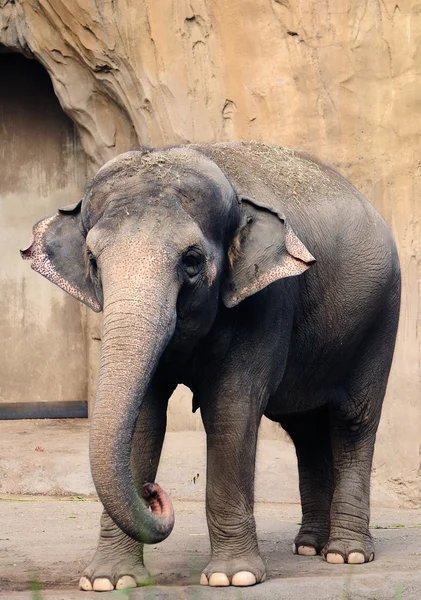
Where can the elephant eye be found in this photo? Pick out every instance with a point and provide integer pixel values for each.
(92, 262)
(90, 256)
(193, 261)
(95, 275)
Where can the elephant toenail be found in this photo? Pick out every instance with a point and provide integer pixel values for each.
(356, 558)
(85, 584)
(334, 558)
(294, 549)
(307, 551)
(203, 579)
(371, 557)
(125, 582)
(243, 579)
(102, 584)
(218, 580)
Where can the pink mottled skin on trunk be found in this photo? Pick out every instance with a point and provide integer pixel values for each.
(137, 281)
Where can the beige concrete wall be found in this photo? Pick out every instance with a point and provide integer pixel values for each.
(339, 78)
(42, 166)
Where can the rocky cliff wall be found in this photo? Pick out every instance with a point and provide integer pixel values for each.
(339, 78)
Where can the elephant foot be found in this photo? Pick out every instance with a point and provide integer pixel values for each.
(309, 543)
(341, 551)
(239, 572)
(105, 577)
(303, 550)
(117, 564)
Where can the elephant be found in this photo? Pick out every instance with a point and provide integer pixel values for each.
(265, 282)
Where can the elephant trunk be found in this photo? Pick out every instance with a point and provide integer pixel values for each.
(137, 329)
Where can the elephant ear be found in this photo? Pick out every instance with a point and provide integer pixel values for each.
(264, 250)
(58, 252)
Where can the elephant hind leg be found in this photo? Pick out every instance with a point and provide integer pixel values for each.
(310, 433)
(353, 445)
(354, 420)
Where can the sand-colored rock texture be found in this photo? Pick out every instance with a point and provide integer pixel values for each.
(339, 78)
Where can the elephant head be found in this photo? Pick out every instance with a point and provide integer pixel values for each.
(160, 243)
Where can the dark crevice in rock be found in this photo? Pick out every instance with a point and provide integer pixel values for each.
(103, 69)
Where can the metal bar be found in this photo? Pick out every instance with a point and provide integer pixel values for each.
(72, 409)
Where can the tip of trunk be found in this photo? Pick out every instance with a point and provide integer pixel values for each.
(162, 510)
(147, 517)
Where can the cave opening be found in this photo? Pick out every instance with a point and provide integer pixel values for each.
(43, 356)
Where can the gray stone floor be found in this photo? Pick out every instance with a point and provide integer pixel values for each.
(48, 535)
(50, 541)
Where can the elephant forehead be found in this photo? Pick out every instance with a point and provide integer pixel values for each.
(125, 232)
(129, 173)
(139, 194)
(203, 166)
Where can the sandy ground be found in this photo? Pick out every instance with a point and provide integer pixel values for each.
(51, 458)
(50, 539)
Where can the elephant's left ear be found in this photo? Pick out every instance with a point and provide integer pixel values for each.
(264, 250)
(58, 252)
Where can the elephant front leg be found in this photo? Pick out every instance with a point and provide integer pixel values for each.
(118, 560)
(231, 429)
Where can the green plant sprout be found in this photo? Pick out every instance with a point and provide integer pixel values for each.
(398, 595)
(392, 526)
(35, 587)
(126, 593)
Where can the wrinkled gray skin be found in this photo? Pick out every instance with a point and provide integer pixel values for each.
(201, 258)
